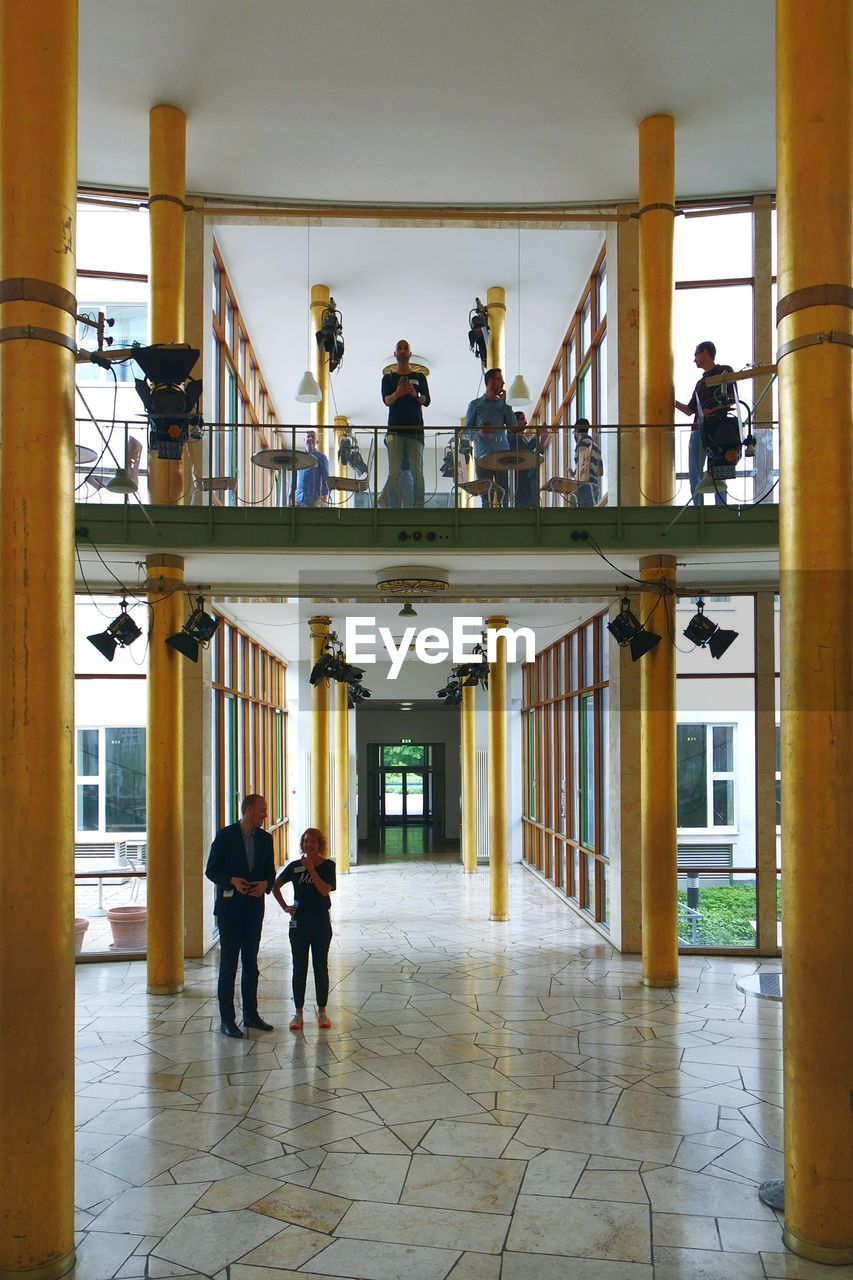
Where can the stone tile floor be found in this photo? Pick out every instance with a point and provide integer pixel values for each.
(492, 1101)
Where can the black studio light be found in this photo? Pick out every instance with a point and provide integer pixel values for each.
(702, 631)
(330, 335)
(121, 632)
(197, 632)
(451, 694)
(628, 632)
(170, 397)
(478, 331)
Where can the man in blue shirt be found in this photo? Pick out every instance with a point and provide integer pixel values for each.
(312, 488)
(486, 424)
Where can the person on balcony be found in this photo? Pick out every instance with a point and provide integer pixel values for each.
(486, 423)
(312, 484)
(406, 393)
(588, 465)
(706, 404)
(536, 443)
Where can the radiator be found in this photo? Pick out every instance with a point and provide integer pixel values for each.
(482, 768)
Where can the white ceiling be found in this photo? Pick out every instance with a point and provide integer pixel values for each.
(445, 101)
(413, 283)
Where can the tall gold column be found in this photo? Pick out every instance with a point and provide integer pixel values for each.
(659, 852)
(321, 413)
(658, 843)
(320, 701)
(167, 481)
(496, 348)
(469, 779)
(813, 165)
(38, 177)
(657, 396)
(342, 810)
(164, 780)
(498, 776)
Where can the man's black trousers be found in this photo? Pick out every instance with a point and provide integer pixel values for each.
(239, 939)
(314, 934)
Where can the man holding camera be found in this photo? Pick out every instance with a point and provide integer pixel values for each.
(707, 404)
(405, 391)
(242, 867)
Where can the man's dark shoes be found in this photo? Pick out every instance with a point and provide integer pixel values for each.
(231, 1029)
(257, 1023)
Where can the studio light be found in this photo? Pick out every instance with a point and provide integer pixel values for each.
(356, 693)
(197, 632)
(330, 335)
(628, 632)
(451, 694)
(331, 665)
(478, 331)
(121, 632)
(169, 396)
(701, 631)
(349, 454)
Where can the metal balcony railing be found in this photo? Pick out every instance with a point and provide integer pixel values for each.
(245, 465)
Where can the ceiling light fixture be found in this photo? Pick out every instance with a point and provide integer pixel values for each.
(412, 580)
(308, 391)
(407, 611)
(121, 632)
(519, 394)
(628, 632)
(702, 632)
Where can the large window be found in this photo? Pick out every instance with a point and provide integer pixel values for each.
(249, 730)
(239, 402)
(566, 707)
(706, 777)
(577, 384)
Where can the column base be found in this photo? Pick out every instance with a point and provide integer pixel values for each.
(171, 989)
(499, 919)
(51, 1271)
(661, 982)
(817, 1252)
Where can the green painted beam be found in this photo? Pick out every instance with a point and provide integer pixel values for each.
(627, 529)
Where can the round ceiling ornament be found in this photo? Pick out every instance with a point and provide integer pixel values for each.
(412, 580)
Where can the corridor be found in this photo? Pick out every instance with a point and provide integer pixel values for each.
(493, 1102)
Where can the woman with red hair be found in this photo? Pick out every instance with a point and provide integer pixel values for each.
(313, 880)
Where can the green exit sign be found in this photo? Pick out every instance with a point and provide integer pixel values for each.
(406, 741)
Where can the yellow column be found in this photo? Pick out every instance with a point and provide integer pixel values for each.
(658, 845)
(657, 397)
(320, 699)
(498, 779)
(321, 413)
(38, 176)
(813, 164)
(167, 145)
(164, 783)
(496, 349)
(342, 812)
(469, 779)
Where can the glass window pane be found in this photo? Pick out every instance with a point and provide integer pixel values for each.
(724, 802)
(716, 910)
(587, 778)
(586, 327)
(403, 754)
(692, 778)
(571, 367)
(723, 739)
(124, 752)
(604, 786)
(87, 807)
(558, 387)
(584, 409)
(87, 753)
(588, 652)
(713, 248)
(602, 385)
(590, 885)
(217, 288)
(722, 316)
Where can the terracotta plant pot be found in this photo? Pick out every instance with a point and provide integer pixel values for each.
(129, 926)
(81, 924)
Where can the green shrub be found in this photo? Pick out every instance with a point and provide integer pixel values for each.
(726, 913)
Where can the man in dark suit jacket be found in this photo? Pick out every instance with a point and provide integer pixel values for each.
(241, 866)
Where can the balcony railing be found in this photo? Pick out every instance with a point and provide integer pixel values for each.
(241, 465)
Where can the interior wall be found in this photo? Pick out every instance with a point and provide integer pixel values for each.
(390, 725)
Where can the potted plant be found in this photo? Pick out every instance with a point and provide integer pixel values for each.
(81, 924)
(129, 926)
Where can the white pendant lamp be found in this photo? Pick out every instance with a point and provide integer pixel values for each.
(519, 394)
(308, 391)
